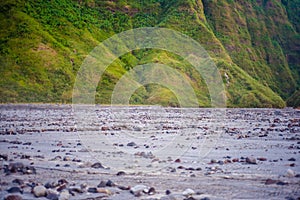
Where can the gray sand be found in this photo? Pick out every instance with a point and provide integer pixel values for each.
(219, 154)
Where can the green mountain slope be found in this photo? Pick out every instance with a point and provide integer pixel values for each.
(255, 45)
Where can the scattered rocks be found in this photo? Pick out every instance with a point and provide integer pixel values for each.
(18, 167)
(225, 168)
(143, 154)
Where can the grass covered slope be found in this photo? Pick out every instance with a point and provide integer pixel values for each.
(255, 45)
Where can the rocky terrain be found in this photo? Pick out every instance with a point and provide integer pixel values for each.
(149, 153)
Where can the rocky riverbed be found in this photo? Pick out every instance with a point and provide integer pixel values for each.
(48, 152)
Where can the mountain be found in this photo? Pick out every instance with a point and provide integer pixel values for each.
(255, 44)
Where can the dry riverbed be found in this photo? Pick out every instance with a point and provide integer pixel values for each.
(149, 153)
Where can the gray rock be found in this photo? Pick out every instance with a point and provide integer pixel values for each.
(14, 190)
(4, 157)
(92, 190)
(39, 191)
(13, 197)
(97, 165)
(188, 192)
(64, 195)
(102, 184)
(138, 189)
(18, 181)
(66, 158)
(251, 160)
(290, 173)
(52, 194)
(109, 183)
(131, 144)
(121, 173)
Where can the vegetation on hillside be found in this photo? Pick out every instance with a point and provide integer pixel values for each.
(255, 45)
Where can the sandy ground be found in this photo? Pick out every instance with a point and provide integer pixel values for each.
(217, 154)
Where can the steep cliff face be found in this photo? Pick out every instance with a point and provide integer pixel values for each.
(255, 44)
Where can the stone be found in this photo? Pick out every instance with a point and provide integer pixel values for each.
(104, 191)
(138, 189)
(13, 197)
(188, 192)
(29, 170)
(121, 187)
(18, 181)
(62, 181)
(4, 157)
(15, 167)
(290, 173)
(120, 173)
(262, 159)
(75, 189)
(270, 181)
(131, 144)
(109, 183)
(61, 187)
(67, 158)
(50, 185)
(145, 154)
(15, 190)
(282, 183)
(64, 195)
(92, 190)
(39, 191)
(151, 191)
(97, 165)
(102, 184)
(251, 160)
(52, 194)
(292, 159)
(212, 161)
